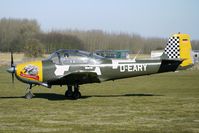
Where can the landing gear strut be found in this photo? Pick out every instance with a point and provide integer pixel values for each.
(73, 94)
(29, 94)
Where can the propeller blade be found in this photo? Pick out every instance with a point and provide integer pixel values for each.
(12, 62)
(13, 78)
(12, 69)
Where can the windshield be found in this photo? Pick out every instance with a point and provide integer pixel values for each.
(72, 57)
(94, 55)
(55, 57)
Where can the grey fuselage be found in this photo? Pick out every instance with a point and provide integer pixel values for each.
(99, 70)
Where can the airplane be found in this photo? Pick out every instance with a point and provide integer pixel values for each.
(75, 67)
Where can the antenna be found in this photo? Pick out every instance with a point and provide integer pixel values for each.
(137, 54)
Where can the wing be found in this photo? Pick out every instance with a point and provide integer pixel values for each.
(77, 77)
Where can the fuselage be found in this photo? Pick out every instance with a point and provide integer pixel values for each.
(105, 69)
(89, 71)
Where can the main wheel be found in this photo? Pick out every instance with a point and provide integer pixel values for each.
(76, 95)
(29, 95)
(69, 94)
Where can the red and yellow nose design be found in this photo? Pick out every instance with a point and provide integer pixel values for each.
(30, 71)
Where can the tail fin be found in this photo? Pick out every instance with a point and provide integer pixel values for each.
(179, 47)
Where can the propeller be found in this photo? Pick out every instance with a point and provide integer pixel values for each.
(12, 62)
(12, 67)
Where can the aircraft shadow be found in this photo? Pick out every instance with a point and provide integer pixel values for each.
(54, 96)
(126, 95)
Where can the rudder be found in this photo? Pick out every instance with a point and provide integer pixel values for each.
(179, 47)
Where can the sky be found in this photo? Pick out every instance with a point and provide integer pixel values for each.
(148, 18)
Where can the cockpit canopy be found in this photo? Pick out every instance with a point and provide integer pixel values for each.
(73, 57)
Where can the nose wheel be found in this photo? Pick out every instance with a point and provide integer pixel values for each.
(29, 94)
(73, 93)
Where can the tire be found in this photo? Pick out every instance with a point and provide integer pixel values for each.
(29, 95)
(68, 94)
(76, 95)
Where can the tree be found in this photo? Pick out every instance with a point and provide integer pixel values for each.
(57, 40)
(34, 48)
(15, 32)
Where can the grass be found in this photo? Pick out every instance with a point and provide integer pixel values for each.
(167, 103)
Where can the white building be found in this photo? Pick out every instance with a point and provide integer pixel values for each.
(196, 55)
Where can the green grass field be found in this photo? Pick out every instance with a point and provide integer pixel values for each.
(167, 103)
